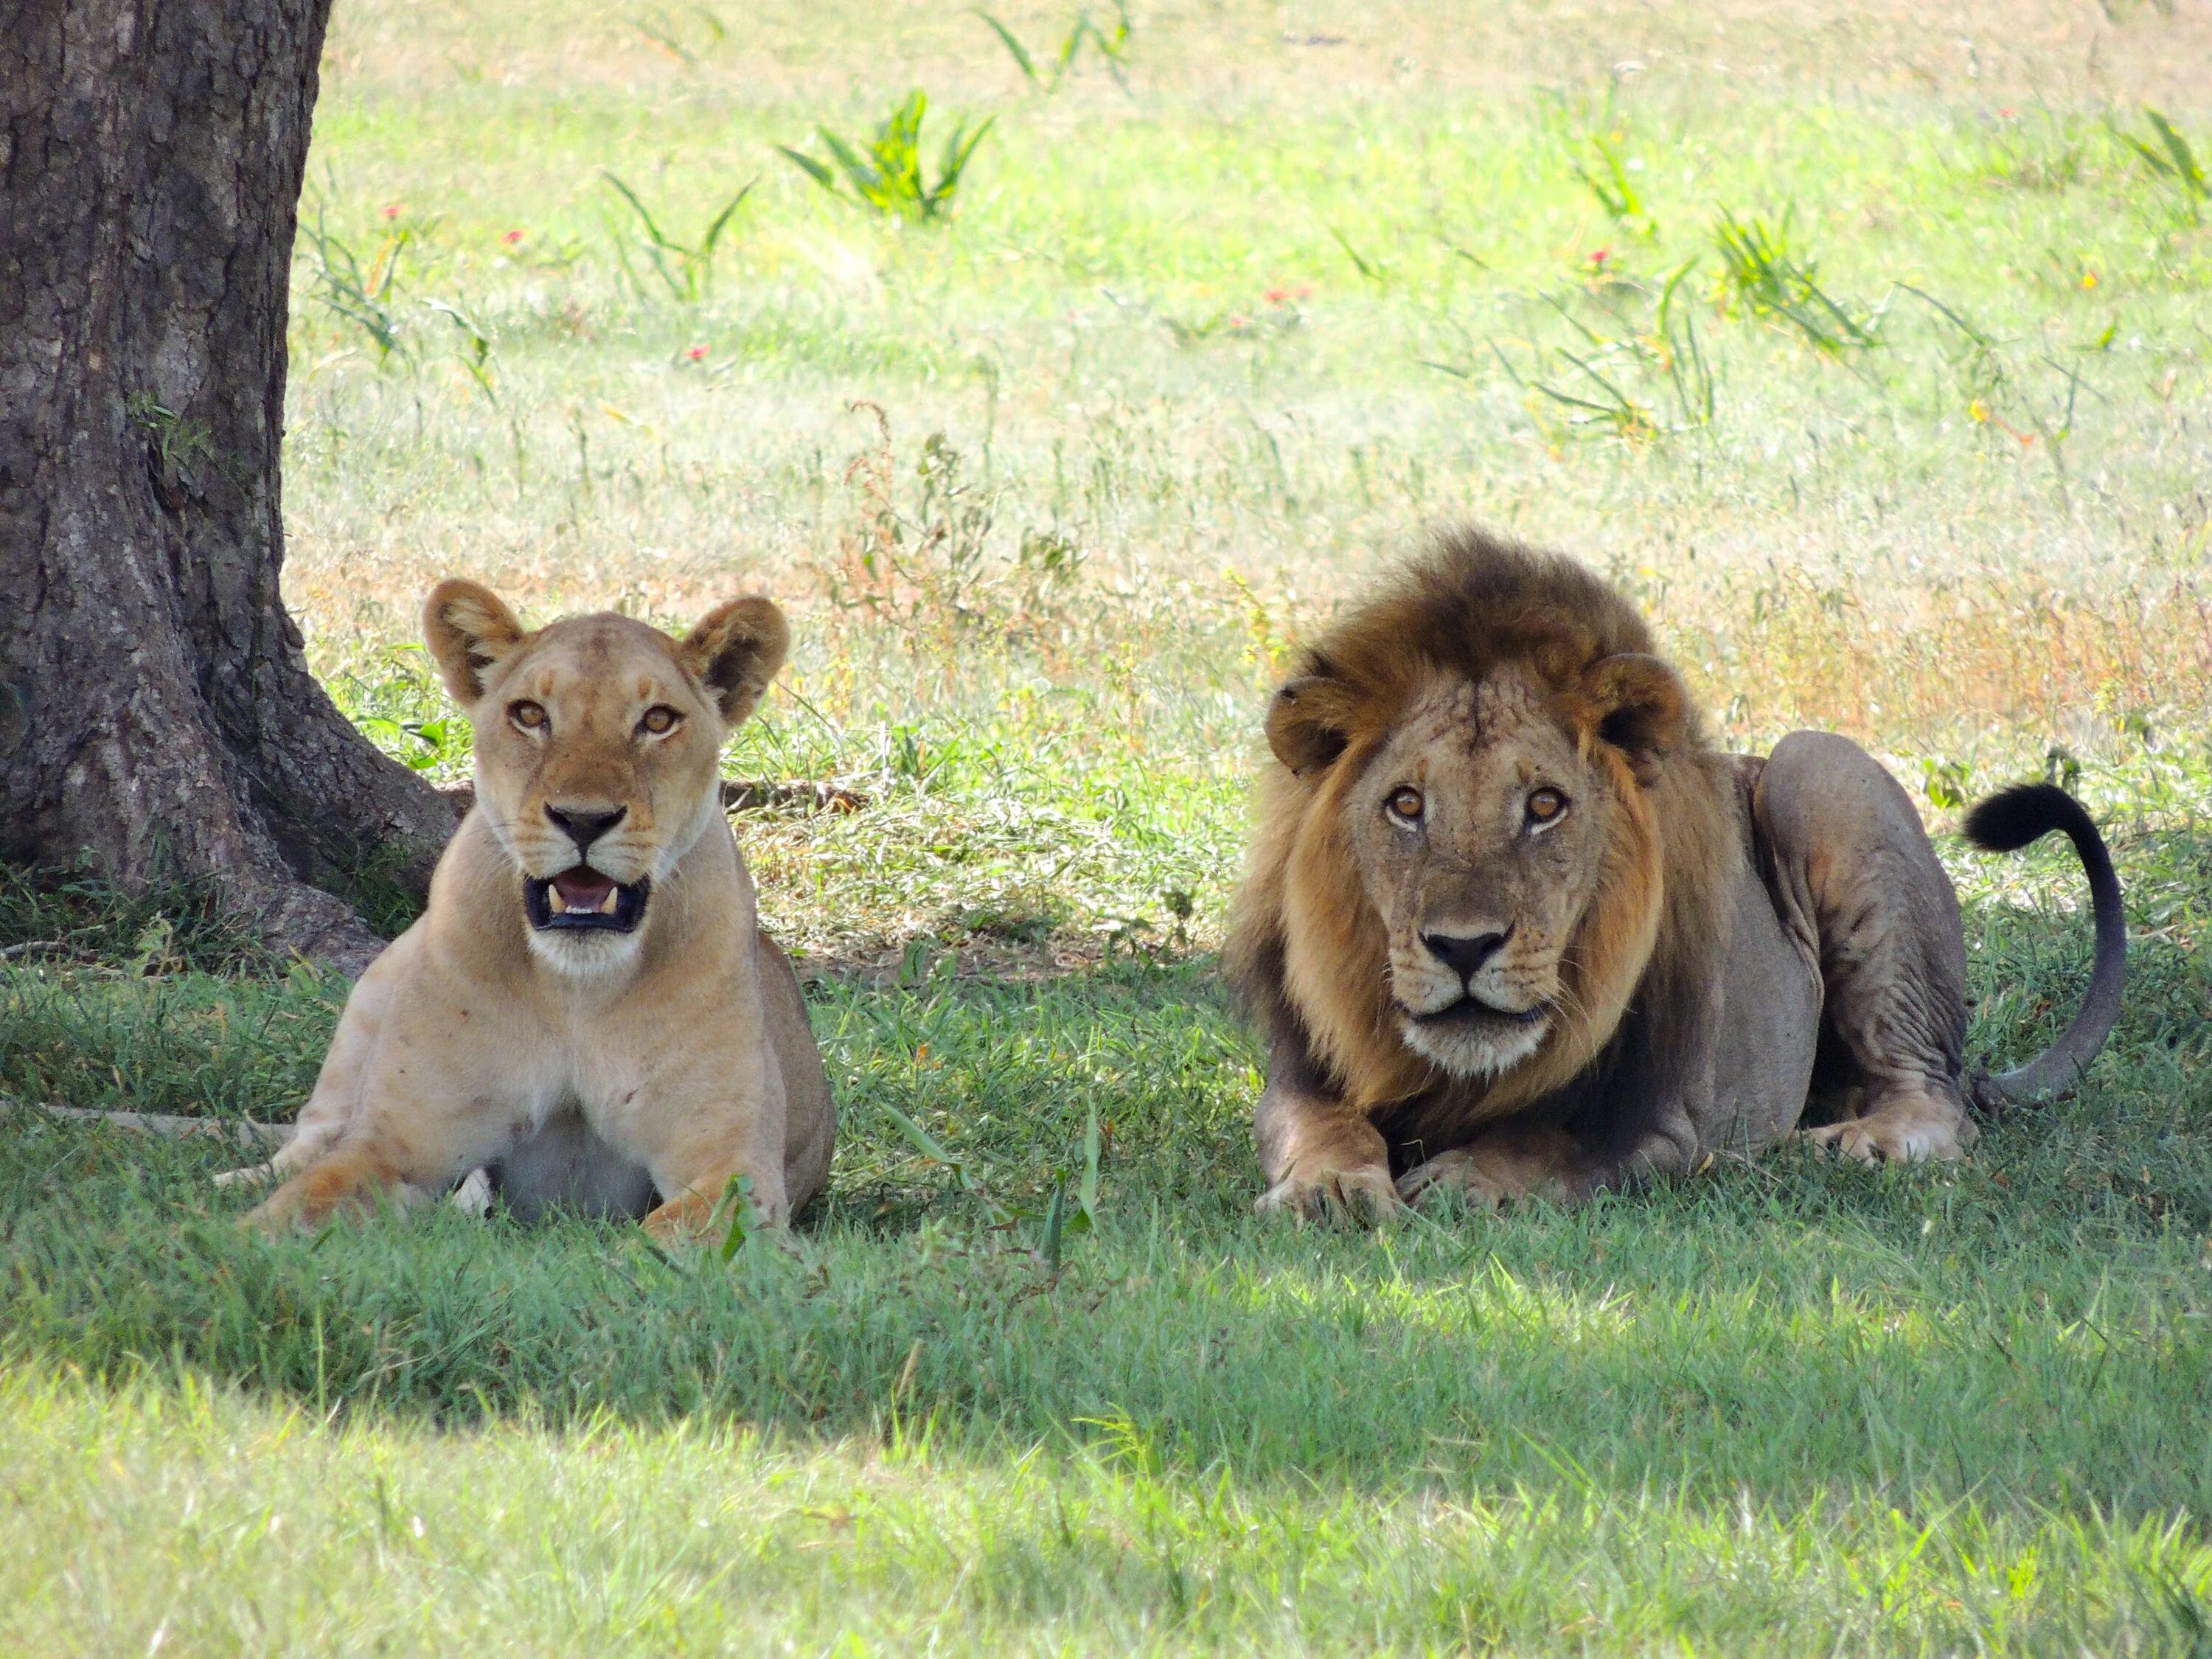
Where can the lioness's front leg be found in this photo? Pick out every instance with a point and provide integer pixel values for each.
(397, 1150)
(695, 1152)
(1321, 1157)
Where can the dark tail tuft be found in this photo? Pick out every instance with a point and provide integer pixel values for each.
(2005, 822)
(2025, 812)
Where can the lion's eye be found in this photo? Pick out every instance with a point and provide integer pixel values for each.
(528, 715)
(659, 720)
(1546, 804)
(1405, 805)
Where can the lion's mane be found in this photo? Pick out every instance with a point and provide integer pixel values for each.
(1307, 951)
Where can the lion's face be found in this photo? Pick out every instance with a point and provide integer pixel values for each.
(1471, 872)
(597, 747)
(1479, 828)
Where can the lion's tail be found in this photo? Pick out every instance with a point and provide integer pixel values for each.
(2005, 822)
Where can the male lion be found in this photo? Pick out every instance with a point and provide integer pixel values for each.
(588, 1007)
(1514, 927)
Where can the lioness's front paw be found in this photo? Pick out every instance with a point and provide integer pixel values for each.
(1364, 1193)
(695, 1218)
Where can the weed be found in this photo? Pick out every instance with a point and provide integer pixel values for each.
(1948, 784)
(1687, 371)
(890, 177)
(2169, 157)
(686, 34)
(686, 270)
(2046, 158)
(1760, 269)
(182, 447)
(926, 561)
(1600, 405)
(1607, 176)
(363, 298)
(1111, 48)
(475, 356)
(1598, 398)
(1372, 270)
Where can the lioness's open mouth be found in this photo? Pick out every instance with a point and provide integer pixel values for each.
(584, 898)
(1471, 1013)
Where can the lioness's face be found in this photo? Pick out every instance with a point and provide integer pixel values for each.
(1479, 828)
(597, 747)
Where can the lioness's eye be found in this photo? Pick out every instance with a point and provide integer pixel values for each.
(1545, 804)
(527, 715)
(1405, 805)
(658, 719)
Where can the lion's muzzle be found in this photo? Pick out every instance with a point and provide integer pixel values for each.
(1471, 1014)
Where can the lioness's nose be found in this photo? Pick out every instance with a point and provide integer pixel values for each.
(582, 825)
(1463, 952)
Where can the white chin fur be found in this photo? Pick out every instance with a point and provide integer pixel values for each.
(585, 954)
(1464, 1054)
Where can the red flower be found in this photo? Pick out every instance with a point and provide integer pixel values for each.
(1599, 256)
(392, 211)
(2007, 113)
(696, 353)
(1275, 296)
(511, 238)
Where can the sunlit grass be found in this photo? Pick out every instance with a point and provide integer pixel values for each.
(276, 1532)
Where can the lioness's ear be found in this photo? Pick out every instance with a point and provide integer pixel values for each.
(1638, 705)
(468, 630)
(1308, 722)
(735, 650)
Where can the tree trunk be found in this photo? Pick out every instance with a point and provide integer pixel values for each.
(157, 720)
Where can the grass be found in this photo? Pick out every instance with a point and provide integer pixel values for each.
(1051, 489)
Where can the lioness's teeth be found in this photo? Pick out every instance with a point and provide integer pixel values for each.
(607, 904)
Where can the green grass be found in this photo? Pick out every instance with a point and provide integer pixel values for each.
(1800, 1406)
(1050, 490)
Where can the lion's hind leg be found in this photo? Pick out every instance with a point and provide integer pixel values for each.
(1903, 1128)
(1851, 857)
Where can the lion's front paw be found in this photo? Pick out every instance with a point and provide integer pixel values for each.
(1483, 1176)
(1451, 1172)
(1323, 1195)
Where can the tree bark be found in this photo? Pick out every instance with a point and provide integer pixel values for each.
(157, 719)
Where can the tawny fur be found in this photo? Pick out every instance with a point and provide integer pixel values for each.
(1303, 928)
(596, 1067)
(1713, 927)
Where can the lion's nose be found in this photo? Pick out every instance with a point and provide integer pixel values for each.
(582, 825)
(1464, 952)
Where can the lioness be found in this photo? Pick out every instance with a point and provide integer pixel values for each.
(1512, 926)
(587, 1008)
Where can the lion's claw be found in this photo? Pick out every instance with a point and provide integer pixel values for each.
(1361, 1194)
(1453, 1172)
(1904, 1131)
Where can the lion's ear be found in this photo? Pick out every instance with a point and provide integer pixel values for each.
(468, 630)
(1638, 705)
(1309, 722)
(735, 650)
